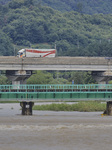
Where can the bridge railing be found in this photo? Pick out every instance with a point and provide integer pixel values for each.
(55, 87)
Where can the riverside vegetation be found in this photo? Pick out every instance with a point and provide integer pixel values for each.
(85, 106)
(80, 106)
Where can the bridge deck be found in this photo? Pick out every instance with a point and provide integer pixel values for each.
(55, 60)
(57, 63)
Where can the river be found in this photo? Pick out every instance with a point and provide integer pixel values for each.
(48, 130)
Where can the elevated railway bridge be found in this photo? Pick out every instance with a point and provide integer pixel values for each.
(28, 94)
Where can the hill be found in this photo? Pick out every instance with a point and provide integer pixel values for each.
(22, 23)
(83, 6)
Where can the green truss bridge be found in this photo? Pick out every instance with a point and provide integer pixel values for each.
(56, 92)
(28, 94)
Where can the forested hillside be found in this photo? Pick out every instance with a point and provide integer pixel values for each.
(22, 23)
(4, 1)
(83, 6)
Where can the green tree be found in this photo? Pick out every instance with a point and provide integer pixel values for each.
(58, 81)
(81, 78)
(16, 4)
(79, 7)
(6, 48)
(63, 46)
(28, 2)
(4, 80)
(40, 77)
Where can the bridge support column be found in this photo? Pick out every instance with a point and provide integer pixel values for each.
(26, 108)
(108, 110)
(18, 76)
(102, 77)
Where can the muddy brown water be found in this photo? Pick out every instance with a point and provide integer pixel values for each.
(48, 130)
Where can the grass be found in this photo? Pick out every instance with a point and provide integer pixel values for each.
(81, 106)
(9, 102)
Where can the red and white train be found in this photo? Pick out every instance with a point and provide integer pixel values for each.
(36, 53)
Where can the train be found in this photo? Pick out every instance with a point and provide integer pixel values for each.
(36, 53)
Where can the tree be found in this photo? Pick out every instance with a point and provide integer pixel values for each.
(16, 4)
(28, 2)
(6, 48)
(63, 46)
(4, 80)
(79, 7)
(81, 78)
(59, 81)
(40, 77)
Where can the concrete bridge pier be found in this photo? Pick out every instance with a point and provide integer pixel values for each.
(108, 110)
(102, 77)
(26, 107)
(18, 76)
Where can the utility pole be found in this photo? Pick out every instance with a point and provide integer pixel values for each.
(14, 51)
